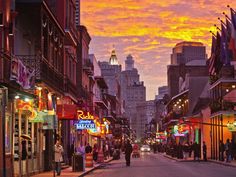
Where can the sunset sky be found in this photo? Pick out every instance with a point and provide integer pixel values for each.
(148, 30)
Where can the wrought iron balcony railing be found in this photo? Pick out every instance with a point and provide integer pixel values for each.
(70, 87)
(44, 71)
(217, 106)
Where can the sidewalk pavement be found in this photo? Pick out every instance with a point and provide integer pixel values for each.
(231, 164)
(69, 173)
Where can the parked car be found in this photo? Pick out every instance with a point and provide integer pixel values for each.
(145, 148)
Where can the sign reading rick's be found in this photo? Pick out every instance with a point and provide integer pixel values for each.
(86, 121)
(85, 124)
(82, 115)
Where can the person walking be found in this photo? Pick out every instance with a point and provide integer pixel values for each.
(204, 150)
(58, 149)
(222, 149)
(128, 151)
(190, 149)
(81, 151)
(88, 149)
(95, 152)
(228, 150)
(196, 152)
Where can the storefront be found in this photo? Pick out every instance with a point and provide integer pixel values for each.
(222, 128)
(6, 119)
(27, 140)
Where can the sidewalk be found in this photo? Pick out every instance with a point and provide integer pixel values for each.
(231, 164)
(69, 173)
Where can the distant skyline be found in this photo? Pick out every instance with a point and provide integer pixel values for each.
(148, 30)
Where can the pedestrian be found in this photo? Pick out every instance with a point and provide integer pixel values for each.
(58, 149)
(180, 151)
(81, 151)
(204, 149)
(196, 152)
(228, 150)
(190, 149)
(88, 149)
(95, 152)
(233, 150)
(71, 151)
(128, 151)
(222, 149)
(186, 150)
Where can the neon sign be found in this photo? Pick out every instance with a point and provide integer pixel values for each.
(82, 115)
(85, 124)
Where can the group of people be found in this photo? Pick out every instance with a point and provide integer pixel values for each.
(227, 150)
(82, 150)
(186, 150)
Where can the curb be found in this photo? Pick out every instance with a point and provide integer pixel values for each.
(180, 160)
(89, 171)
(223, 163)
(209, 160)
(86, 172)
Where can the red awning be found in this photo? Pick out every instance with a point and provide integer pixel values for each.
(67, 112)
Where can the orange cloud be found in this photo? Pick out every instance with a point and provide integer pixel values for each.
(149, 29)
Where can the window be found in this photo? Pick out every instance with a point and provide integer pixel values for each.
(45, 43)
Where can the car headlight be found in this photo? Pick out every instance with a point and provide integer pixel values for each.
(148, 149)
(142, 149)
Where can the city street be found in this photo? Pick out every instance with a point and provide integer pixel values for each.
(155, 165)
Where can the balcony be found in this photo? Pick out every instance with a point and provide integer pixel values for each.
(83, 93)
(70, 88)
(101, 101)
(88, 67)
(44, 72)
(217, 106)
(5, 66)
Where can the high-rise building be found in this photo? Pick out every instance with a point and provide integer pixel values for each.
(185, 52)
(162, 91)
(133, 93)
(111, 73)
(129, 63)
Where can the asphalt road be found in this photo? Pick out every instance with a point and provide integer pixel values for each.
(155, 165)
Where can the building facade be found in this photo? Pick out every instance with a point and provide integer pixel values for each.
(133, 92)
(185, 52)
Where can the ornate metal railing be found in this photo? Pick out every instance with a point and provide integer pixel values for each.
(217, 106)
(44, 72)
(70, 87)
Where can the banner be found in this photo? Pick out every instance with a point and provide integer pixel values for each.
(21, 74)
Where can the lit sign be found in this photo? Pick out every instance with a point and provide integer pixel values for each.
(82, 115)
(85, 124)
(231, 126)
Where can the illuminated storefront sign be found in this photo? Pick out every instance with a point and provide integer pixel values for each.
(178, 131)
(85, 124)
(231, 126)
(82, 115)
